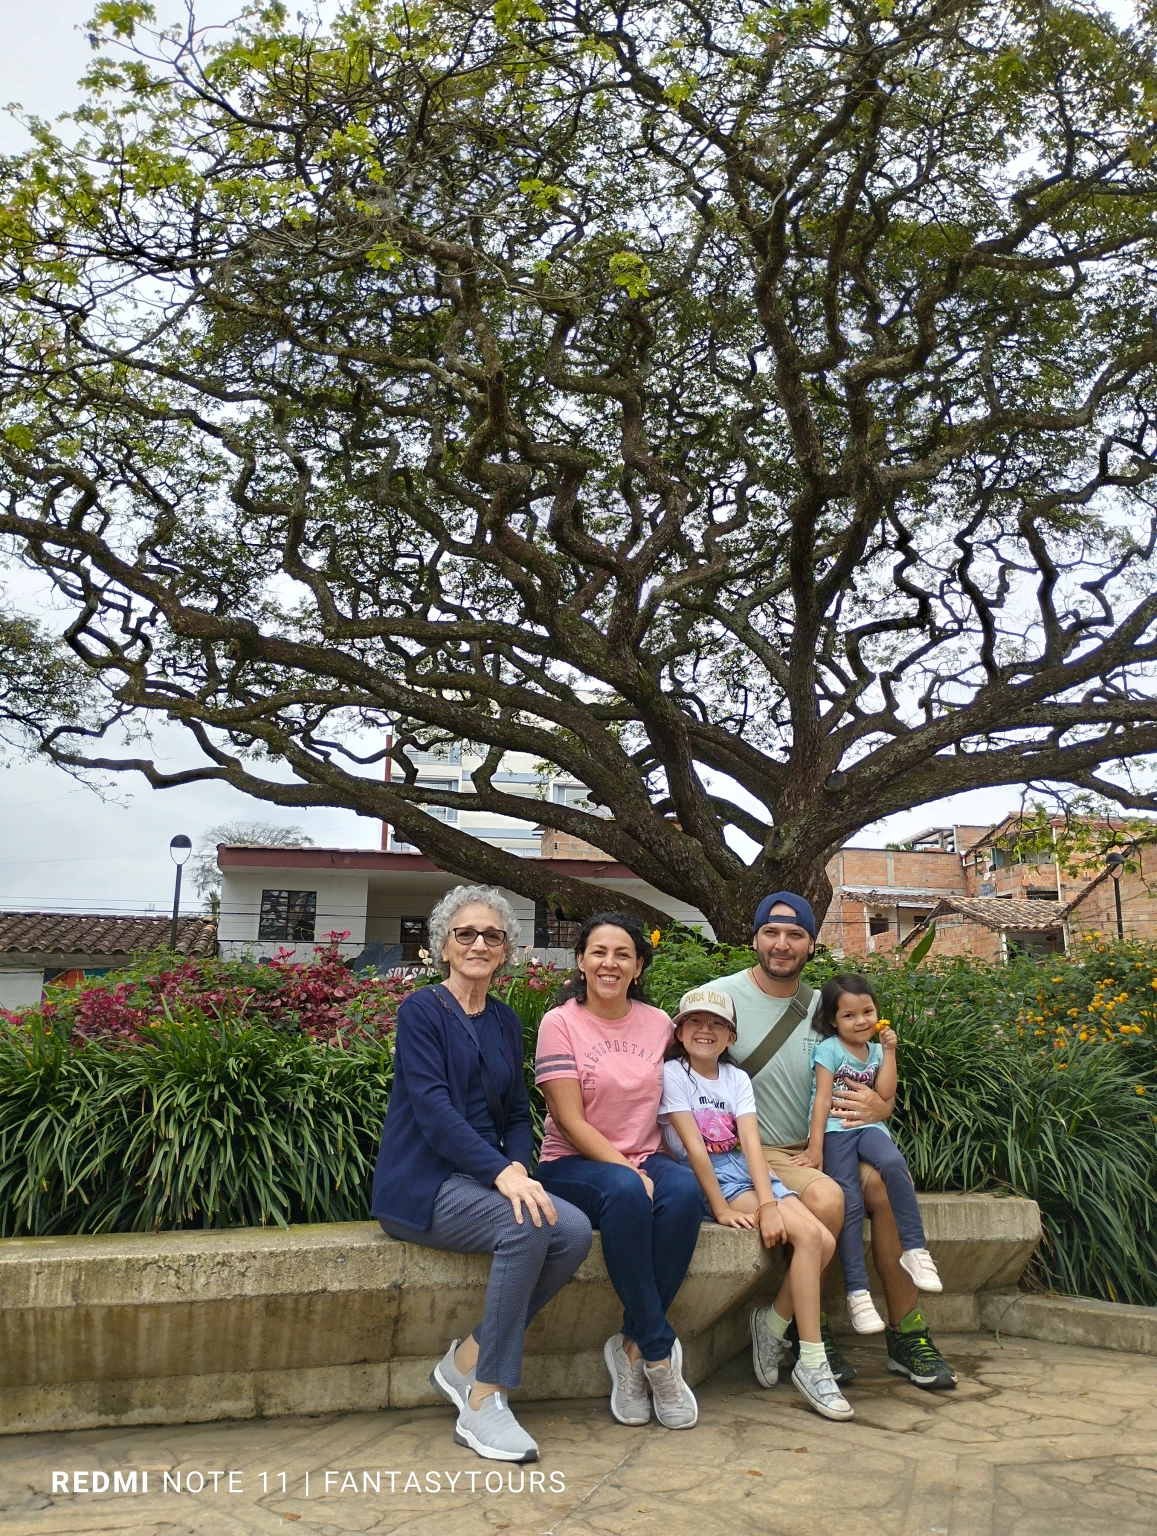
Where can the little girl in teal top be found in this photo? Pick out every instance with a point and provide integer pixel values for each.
(849, 1054)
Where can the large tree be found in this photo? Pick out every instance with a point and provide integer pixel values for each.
(746, 409)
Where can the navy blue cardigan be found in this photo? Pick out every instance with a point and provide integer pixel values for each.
(426, 1136)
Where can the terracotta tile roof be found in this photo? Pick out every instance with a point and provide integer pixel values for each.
(1005, 911)
(72, 933)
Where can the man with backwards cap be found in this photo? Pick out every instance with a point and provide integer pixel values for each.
(784, 941)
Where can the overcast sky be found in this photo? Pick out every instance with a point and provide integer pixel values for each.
(61, 845)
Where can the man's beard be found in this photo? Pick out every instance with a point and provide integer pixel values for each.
(792, 969)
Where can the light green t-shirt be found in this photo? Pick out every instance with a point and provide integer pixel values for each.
(783, 1088)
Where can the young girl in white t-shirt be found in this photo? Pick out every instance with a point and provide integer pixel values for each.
(709, 1121)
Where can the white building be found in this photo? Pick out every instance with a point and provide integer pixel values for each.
(292, 898)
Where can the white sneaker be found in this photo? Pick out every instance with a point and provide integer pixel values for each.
(493, 1431)
(819, 1389)
(449, 1380)
(862, 1312)
(675, 1405)
(918, 1264)
(630, 1403)
(768, 1351)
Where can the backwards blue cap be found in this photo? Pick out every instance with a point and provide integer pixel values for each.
(804, 915)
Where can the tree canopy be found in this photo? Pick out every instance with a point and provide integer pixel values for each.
(748, 410)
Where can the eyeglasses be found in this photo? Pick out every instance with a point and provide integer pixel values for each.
(493, 938)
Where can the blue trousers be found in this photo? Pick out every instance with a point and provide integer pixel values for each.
(844, 1151)
(647, 1246)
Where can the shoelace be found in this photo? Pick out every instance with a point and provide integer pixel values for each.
(666, 1385)
(924, 1352)
(632, 1376)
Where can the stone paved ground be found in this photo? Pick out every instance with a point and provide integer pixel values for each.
(1038, 1440)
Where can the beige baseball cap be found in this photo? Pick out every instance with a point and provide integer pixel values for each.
(707, 1000)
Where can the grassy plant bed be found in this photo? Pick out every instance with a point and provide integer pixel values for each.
(226, 1093)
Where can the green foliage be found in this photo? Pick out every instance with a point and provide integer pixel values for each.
(308, 320)
(685, 959)
(39, 680)
(174, 1097)
(203, 1124)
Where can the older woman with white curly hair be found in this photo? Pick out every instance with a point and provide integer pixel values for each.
(452, 1170)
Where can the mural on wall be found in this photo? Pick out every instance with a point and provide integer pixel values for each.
(71, 977)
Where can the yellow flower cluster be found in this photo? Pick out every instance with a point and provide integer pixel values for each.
(1113, 1014)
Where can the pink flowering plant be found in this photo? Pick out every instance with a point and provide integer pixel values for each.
(319, 998)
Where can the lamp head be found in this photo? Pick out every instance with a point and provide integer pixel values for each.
(180, 848)
(1115, 863)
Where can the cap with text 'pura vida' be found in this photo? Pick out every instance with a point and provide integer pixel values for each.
(707, 1000)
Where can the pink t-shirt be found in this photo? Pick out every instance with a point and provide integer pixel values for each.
(620, 1068)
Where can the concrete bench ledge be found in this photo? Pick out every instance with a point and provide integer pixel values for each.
(1071, 1320)
(182, 1327)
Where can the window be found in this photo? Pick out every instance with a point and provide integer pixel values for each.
(877, 923)
(576, 795)
(1039, 946)
(552, 930)
(415, 936)
(287, 915)
(447, 813)
(444, 752)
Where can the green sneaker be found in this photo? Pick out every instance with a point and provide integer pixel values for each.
(912, 1353)
(843, 1370)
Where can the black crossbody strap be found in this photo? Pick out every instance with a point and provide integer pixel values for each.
(499, 1112)
(786, 1025)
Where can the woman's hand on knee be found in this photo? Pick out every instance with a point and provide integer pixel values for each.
(648, 1185)
(521, 1190)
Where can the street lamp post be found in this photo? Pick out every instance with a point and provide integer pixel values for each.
(1115, 864)
(179, 850)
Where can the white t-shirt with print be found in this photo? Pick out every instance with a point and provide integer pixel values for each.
(716, 1104)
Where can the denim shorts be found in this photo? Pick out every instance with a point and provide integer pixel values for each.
(735, 1178)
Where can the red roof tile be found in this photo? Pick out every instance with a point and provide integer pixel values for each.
(73, 933)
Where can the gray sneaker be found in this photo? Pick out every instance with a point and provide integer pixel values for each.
(821, 1391)
(768, 1350)
(630, 1403)
(675, 1405)
(493, 1431)
(449, 1380)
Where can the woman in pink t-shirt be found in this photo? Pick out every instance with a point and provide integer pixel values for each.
(600, 1066)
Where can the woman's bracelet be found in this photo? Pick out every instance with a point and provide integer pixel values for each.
(768, 1205)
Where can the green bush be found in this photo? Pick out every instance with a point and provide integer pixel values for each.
(206, 1123)
(223, 1093)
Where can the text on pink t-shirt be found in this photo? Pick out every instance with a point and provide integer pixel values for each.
(619, 1067)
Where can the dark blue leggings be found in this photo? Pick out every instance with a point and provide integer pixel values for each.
(647, 1248)
(844, 1151)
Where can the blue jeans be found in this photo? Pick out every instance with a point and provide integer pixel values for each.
(647, 1246)
(844, 1151)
